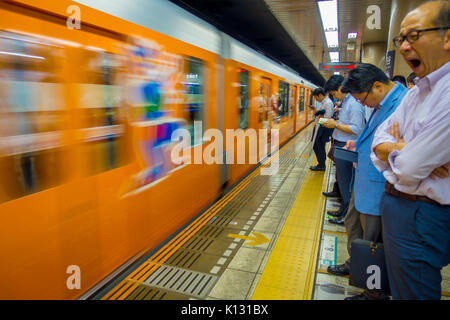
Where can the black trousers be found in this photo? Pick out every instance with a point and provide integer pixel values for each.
(323, 136)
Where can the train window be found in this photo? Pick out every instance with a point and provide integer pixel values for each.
(244, 99)
(283, 98)
(194, 86)
(31, 115)
(102, 123)
(301, 99)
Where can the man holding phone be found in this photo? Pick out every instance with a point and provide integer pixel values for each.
(325, 110)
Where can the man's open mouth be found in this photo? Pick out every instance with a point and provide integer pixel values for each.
(415, 62)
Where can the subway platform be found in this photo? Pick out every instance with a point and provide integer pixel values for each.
(268, 238)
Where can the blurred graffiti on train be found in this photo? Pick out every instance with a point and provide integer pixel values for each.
(153, 82)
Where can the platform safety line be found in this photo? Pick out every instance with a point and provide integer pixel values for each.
(274, 272)
(307, 294)
(166, 252)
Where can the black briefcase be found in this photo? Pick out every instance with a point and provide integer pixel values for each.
(368, 266)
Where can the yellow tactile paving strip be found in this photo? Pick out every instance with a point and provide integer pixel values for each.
(290, 270)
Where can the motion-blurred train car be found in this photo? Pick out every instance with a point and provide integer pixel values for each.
(86, 123)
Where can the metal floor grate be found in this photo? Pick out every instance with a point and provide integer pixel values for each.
(183, 281)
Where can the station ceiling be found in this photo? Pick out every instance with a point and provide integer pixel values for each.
(291, 32)
(302, 21)
(253, 23)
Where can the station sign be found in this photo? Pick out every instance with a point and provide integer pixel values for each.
(336, 66)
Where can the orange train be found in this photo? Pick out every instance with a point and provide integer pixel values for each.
(87, 113)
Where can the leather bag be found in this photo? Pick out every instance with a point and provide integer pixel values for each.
(368, 266)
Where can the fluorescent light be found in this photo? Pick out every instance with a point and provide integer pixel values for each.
(352, 35)
(21, 55)
(334, 56)
(337, 73)
(332, 39)
(329, 16)
(328, 13)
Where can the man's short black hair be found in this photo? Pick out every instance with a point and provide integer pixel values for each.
(318, 91)
(334, 83)
(362, 78)
(400, 79)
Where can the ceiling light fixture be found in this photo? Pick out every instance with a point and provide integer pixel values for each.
(329, 15)
(334, 56)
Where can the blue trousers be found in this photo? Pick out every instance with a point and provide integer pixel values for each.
(416, 238)
(344, 174)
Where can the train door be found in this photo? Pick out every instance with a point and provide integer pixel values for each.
(301, 105)
(294, 102)
(310, 114)
(265, 90)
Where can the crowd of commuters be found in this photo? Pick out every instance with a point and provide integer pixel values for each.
(398, 191)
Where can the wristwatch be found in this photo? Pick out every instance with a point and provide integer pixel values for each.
(335, 126)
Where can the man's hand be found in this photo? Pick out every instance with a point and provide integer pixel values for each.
(384, 149)
(350, 145)
(395, 132)
(331, 123)
(441, 172)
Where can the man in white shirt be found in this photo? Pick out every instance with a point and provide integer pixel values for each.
(412, 150)
(323, 134)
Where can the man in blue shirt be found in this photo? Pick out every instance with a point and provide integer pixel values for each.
(373, 88)
(350, 124)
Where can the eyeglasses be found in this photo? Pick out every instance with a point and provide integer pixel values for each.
(368, 92)
(413, 36)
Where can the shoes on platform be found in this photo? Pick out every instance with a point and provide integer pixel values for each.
(363, 296)
(360, 296)
(332, 194)
(337, 220)
(336, 213)
(317, 168)
(338, 269)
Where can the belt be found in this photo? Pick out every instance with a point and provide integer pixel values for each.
(390, 189)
